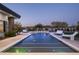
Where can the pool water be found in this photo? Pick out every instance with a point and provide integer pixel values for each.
(40, 42)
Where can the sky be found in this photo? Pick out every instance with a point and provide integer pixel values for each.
(45, 13)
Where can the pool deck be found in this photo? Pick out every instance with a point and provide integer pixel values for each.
(8, 42)
(72, 43)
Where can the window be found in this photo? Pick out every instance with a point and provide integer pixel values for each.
(1, 26)
(5, 26)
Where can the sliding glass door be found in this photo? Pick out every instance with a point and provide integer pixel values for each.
(1, 26)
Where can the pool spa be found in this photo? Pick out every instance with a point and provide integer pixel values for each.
(40, 42)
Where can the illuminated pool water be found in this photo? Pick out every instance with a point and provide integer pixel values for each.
(40, 42)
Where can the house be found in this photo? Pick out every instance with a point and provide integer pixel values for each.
(7, 17)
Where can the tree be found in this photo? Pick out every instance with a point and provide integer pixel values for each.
(38, 26)
(18, 27)
(59, 25)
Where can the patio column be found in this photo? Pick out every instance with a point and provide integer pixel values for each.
(11, 23)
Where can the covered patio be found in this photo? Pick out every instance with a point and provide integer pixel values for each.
(7, 17)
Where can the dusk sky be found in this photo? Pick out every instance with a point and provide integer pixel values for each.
(32, 14)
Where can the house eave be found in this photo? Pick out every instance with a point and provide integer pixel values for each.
(9, 11)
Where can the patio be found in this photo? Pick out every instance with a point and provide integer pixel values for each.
(8, 42)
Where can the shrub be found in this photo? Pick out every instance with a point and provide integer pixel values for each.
(10, 34)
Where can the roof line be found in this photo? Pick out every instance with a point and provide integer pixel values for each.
(6, 9)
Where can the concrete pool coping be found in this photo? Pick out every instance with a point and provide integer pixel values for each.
(73, 44)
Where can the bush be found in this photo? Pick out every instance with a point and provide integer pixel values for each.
(10, 34)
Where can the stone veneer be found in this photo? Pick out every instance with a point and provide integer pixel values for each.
(11, 23)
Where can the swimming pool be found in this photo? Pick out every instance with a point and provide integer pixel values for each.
(40, 42)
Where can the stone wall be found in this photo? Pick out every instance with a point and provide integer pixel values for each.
(11, 23)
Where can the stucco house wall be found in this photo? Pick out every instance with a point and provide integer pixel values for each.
(3, 18)
(7, 17)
